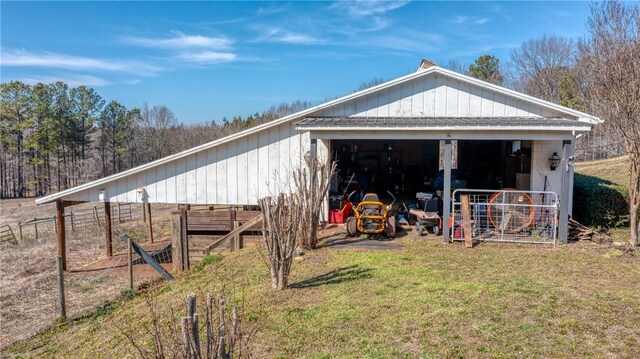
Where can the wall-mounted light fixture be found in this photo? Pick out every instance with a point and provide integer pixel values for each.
(554, 161)
(101, 194)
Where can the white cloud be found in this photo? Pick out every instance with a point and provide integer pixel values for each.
(377, 23)
(208, 57)
(71, 80)
(406, 40)
(498, 10)
(360, 8)
(459, 19)
(23, 58)
(272, 9)
(275, 34)
(180, 41)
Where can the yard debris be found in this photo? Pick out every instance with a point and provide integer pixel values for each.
(625, 249)
(580, 232)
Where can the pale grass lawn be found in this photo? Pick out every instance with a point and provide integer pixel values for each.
(428, 300)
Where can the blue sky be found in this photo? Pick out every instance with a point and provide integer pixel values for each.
(206, 60)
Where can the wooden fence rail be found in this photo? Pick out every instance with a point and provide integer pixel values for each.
(198, 233)
(7, 235)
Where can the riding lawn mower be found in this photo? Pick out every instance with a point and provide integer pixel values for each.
(371, 217)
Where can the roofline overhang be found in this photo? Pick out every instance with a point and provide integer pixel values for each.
(447, 128)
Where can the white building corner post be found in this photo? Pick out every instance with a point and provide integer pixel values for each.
(320, 152)
(446, 192)
(571, 175)
(565, 196)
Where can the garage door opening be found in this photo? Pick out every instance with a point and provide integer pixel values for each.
(401, 167)
(495, 164)
(406, 167)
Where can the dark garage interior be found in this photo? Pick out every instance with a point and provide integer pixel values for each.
(405, 167)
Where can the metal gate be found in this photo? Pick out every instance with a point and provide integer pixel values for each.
(505, 215)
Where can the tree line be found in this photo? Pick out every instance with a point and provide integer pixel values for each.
(53, 137)
(599, 74)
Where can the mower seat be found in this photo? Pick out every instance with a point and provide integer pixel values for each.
(370, 197)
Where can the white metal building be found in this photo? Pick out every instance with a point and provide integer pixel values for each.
(432, 104)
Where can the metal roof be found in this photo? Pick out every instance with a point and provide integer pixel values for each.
(448, 123)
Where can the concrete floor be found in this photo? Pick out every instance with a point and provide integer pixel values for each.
(335, 235)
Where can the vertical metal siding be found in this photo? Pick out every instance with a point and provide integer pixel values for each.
(211, 173)
(437, 96)
(201, 177)
(232, 172)
(191, 189)
(453, 98)
(464, 99)
(172, 182)
(221, 174)
(440, 109)
(253, 169)
(242, 167)
(263, 162)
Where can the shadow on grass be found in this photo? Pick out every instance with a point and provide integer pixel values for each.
(340, 275)
(599, 202)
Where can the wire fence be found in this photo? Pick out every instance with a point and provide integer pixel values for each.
(505, 216)
(29, 291)
(76, 220)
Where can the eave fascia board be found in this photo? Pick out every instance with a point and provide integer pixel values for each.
(446, 128)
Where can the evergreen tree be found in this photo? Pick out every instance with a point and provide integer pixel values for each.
(486, 68)
(15, 123)
(115, 124)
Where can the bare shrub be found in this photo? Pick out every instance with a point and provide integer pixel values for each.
(312, 186)
(281, 228)
(169, 335)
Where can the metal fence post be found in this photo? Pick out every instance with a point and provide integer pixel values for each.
(63, 305)
(130, 261)
(95, 213)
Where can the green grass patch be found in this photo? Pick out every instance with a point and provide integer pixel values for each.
(614, 170)
(428, 300)
(128, 294)
(207, 260)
